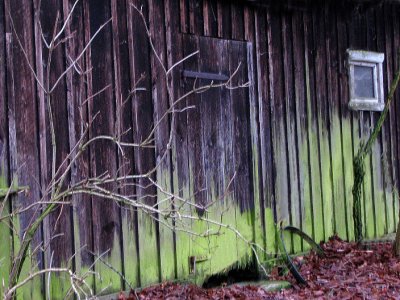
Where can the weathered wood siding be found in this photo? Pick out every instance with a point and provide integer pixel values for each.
(290, 135)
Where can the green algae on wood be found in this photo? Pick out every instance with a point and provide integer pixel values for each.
(166, 235)
(33, 289)
(59, 284)
(315, 195)
(6, 249)
(131, 263)
(108, 267)
(363, 152)
(148, 254)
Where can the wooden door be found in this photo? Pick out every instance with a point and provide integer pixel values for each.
(213, 160)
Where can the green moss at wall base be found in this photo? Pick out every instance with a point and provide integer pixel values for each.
(148, 255)
(108, 279)
(339, 177)
(33, 289)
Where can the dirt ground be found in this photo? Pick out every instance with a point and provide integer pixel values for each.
(348, 271)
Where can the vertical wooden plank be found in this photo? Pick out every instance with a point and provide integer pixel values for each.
(276, 93)
(290, 127)
(379, 201)
(338, 190)
(390, 169)
(184, 16)
(371, 210)
(224, 19)
(250, 34)
(304, 198)
(266, 149)
(77, 119)
(179, 152)
(23, 135)
(58, 227)
(322, 110)
(162, 135)
(237, 20)
(395, 65)
(105, 213)
(142, 111)
(312, 124)
(386, 165)
(241, 140)
(6, 246)
(196, 21)
(346, 124)
(354, 42)
(210, 15)
(120, 11)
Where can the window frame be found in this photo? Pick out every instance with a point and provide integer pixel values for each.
(366, 59)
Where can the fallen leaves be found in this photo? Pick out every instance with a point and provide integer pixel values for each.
(171, 291)
(348, 271)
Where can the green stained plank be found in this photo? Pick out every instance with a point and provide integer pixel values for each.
(316, 201)
(306, 191)
(259, 213)
(270, 228)
(356, 143)
(321, 114)
(130, 248)
(33, 289)
(368, 188)
(388, 189)
(290, 112)
(278, 130)
(323, 82)
(23, 143)
(396, 206)
(301, 125)
(162, 137)
(196, 246)
(179, 151)
(264, 162)
(108, 268)
(167, 255)
(244, 198)
(183, 239)
(326, 180)
(346, 133)
(339, 182)
(6, 245)
(226, 248)
(317, 223)
(348, 174)
(148, 254)
(144, 236)
(327, 183)
(5, 232)
(337, 191)
(59, 283)
(379, 191)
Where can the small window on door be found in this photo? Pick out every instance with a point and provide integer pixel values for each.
(366, 80)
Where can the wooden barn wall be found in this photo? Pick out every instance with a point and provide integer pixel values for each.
(303, 136)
